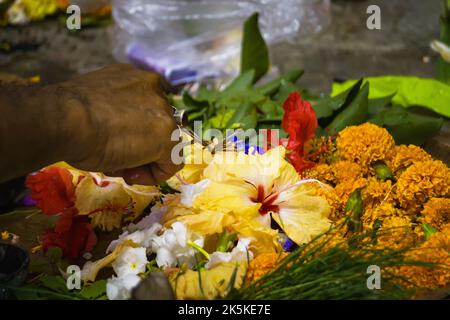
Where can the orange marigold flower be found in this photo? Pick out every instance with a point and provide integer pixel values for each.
(396, 233)
(436, 212)
(434, 250)
(346, 170)
(378, 213)
(322, 172)
(422, 181)
(344, 189)
(262, 264)
(376, 191)
(364, 144)
(404, 156)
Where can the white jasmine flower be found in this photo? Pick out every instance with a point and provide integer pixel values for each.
(142, 238)
(130, 261)
(174, 246)
(120, 288)
(191, 191)
(239, 253)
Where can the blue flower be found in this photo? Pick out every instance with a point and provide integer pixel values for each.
(241, 145)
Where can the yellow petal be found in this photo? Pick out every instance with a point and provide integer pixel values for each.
(234, 195)
(91, 269)
(196, 159)
(265, 238)
(205, 222)
(302, 215)
(76, 174)
(255, 169)
(215, 282)
(109, 203)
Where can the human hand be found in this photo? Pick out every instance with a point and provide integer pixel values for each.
(122, 124)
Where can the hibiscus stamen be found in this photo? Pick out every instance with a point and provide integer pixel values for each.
(267, 202)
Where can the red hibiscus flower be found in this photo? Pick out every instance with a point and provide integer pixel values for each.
(73, 234)
(300, 122)
(52, 189)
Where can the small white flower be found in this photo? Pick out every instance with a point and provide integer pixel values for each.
(239, 253)
(173, 247)
(120, 288)
(130, 261)
(191, 191)
(142, 238)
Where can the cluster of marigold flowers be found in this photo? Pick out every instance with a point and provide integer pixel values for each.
(405, 196)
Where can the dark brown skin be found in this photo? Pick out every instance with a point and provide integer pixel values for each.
(112, 120)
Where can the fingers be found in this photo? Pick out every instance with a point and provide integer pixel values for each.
(152, 174)
(140, 175)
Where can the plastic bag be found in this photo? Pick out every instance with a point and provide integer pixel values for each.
(192, 40)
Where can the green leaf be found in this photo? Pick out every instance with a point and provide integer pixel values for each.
(244, 117)
(271, 87)
(54, 283)
(407, 91)
(241, 83)
(428, 230)
(192, 103)
(355, 113)
(379, 104)
(408, 127)
(195, 115)
(54, 255)
(221, 119)
(327, 106)
(206, 94)
(94, 291)
(286, 88)
(271, 110)
(254, 51)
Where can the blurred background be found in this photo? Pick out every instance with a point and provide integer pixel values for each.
(340, 45)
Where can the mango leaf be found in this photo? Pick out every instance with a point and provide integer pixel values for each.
(239, 98)
(286, 88)
(355, 113)
(408, 127)
(196, 115)
(271, 87)
(94, 291)
(193, 103)
(326, 107)
(379, 104)
(241, 83)
(54, 283)
(205, 94)
(408, 91)
(254, 51)
(244, 117)
(176, 101)
(270, 109)
(221, 119)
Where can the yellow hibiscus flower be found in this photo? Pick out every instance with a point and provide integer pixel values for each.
(259, 188)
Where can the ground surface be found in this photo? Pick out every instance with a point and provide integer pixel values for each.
(346, 49)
